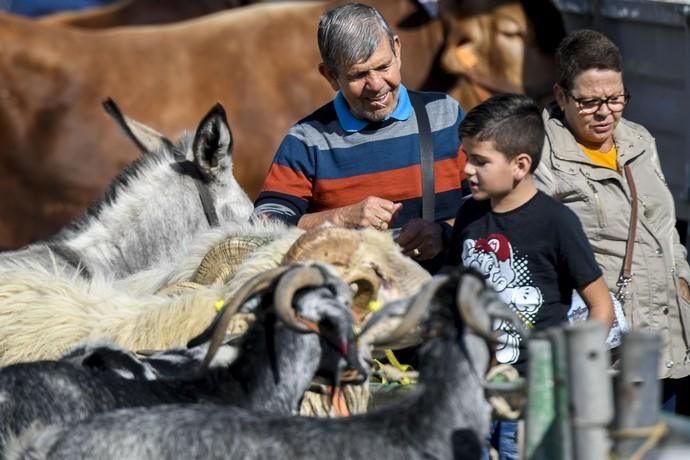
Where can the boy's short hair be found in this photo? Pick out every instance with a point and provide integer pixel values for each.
(512, 121)
(584, 50)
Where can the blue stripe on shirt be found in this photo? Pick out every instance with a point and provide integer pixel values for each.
(365, 158)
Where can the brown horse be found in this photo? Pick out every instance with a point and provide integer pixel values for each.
(58, 149)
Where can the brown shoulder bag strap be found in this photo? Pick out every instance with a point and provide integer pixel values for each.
(626, 273)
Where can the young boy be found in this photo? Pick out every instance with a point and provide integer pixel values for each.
(530, 247)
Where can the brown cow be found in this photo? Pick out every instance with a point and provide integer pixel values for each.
(58, 150)
(493, 47)
(141, 12)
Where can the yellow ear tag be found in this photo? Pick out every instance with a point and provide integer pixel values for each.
(374, 305)
(218, 305)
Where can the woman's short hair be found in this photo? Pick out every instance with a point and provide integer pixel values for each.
(512, 121)
(584, 50)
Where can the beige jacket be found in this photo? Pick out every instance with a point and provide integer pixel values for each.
(601, 199)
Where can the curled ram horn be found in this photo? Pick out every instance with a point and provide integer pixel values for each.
(338, 246)
(418, 308)
(365, 286)
(223, 260)
(220, 323)
(297, 277)
(334, 245)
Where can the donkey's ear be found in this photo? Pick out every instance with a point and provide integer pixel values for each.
(146, 139)
(212, 144)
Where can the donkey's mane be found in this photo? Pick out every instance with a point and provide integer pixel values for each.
(131, 173)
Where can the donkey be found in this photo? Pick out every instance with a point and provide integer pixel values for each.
(151, 211)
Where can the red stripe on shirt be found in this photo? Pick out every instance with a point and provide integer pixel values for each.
(283, 179)
(395, 185)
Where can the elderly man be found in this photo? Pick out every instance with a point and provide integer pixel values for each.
(355, 162)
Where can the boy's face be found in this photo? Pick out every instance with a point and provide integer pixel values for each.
(490, 174)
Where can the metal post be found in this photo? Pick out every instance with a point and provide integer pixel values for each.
(591, 398)
(638, 392)
(540, 413)
(562, 431)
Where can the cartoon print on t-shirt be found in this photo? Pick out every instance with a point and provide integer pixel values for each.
(509, 275)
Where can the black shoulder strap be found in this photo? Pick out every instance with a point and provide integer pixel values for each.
(426, 153)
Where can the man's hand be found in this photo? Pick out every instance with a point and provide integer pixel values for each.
(421, 240)
(373, 212)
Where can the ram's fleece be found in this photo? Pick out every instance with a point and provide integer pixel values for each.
(44, 313)
(153, 280)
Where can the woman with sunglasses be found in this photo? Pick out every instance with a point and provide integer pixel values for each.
(601, 165)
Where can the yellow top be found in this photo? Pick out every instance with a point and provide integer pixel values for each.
(606, 159)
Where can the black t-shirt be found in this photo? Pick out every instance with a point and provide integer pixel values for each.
(534, 256)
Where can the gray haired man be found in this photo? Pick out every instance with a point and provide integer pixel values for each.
(355, 162)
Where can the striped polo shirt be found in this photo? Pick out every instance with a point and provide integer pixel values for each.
(331, 159)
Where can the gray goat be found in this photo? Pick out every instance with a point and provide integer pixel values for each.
(159, 364)
(444, 418)
(275, 364)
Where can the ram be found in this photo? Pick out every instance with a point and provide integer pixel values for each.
(44, 314)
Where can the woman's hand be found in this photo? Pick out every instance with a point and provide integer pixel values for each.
(598, 300)
(684, 289)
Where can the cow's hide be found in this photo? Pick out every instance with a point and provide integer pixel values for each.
(499, 46)
(141, 12)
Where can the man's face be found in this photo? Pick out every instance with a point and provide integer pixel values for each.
(371, 87)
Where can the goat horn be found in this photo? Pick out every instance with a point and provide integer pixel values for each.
(415, 312)
(295, 279)
(368, 284)
(467, 300)
(334, 245)
(497, 310)
(222, 261)
(258, 283)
